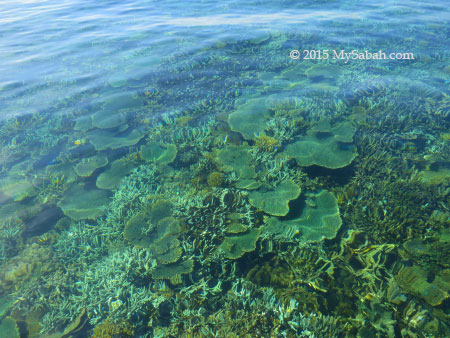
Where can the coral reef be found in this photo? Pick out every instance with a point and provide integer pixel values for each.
(414, 280)
(8, 328)
(17, 188)
(274, 200)
(234, 247)
(153, 152)
(250, 119)
(319, 219)
(87, 166)
(80, 202)
(325, 146)
(228, 191)
(237, 160)
(105, 139)
(110, 178)
(216, 179)
(109, 329)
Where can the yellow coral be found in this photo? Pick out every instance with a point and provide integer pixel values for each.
(445, 136)
(183, 120)
(216, 179)
(109, 329)
(267, 143)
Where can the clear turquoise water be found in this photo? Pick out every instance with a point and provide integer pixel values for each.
(172, 72)
(52, 51)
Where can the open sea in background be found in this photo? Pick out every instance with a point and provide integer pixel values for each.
(224, 168)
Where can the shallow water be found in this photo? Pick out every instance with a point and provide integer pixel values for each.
(234, 118)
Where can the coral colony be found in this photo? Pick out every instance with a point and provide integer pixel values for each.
(255, 210)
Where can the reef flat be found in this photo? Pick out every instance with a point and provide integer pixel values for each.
(230, 191)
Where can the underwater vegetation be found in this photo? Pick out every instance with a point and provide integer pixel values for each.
(258, 200)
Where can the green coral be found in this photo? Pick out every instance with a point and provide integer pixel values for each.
(147, 228)
(156, 230)
(122, 100)
(323, 73)
(5, 303)
(342, 131)
(88, 165)
(234, 247)
(104, 139)
(250, 119)
(319, 219)
(104, 119)
(113, 112)
(154, 152)
(414, 280)
(215, 179)
(117, 80)
(9, 328)
(248, 184)
(275, 200)
(110, 178)
(18, 188)
(81, 202)
(168, 271)
(236, 159)
(83, 123)
(324, 146)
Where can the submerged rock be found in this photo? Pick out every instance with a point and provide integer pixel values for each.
(42, 221)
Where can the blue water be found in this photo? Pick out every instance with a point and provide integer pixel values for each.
(52, 51)
(149, 64)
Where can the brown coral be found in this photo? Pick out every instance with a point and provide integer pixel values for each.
(216, 179)
(109, 329)
(267, 143)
